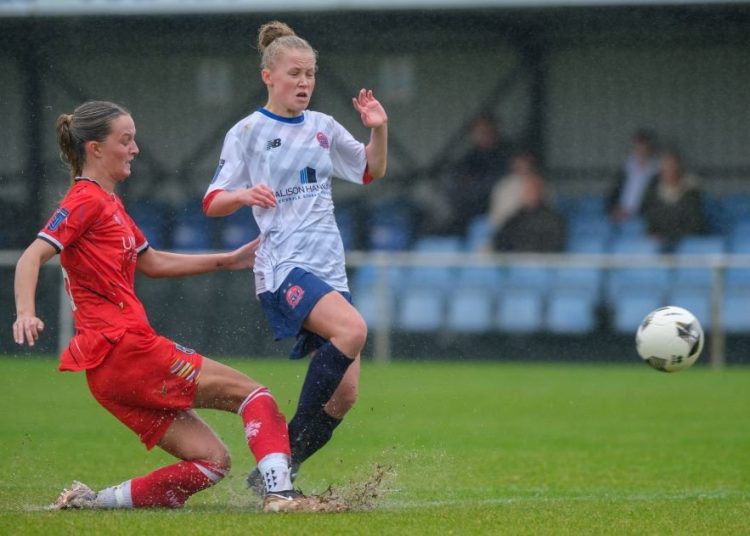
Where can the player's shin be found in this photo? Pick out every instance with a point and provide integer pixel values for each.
(167, 487)
(268, 439)
(311, 427)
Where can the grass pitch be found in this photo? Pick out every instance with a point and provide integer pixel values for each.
(471, 448)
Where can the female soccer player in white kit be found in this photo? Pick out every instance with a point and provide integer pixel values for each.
(280, 160)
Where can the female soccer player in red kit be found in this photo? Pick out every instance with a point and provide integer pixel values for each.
(148, 382)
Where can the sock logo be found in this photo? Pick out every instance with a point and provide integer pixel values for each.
(252, 429)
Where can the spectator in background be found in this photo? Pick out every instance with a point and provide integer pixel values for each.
(673, 206)
(474, 175)
(507, 196)
(536, 226)
(634, 178)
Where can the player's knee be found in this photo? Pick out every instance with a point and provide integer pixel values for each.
(353, 337)
(221, 462)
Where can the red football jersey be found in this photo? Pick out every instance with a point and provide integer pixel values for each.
(99, 245)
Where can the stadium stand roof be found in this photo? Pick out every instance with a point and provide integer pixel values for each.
(22, 8)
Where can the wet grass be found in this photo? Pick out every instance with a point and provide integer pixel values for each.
(469, 448)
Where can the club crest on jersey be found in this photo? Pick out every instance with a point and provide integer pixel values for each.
(218, 170)
(294, 296)
(117, 218)
(322, 140)
(307, 175)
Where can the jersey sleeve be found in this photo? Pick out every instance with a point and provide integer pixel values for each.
(231, 172)
(348, 156)
(73, 217)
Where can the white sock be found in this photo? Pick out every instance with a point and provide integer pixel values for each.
(275, 471)
(115, 496)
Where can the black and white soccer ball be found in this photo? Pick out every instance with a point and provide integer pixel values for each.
(669, 339)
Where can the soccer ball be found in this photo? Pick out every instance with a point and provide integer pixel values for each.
(669, 339)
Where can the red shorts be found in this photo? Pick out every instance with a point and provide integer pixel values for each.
(145, 382)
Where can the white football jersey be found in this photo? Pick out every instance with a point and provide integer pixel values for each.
(296, 157)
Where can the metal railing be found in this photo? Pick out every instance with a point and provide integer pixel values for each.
(716, 263)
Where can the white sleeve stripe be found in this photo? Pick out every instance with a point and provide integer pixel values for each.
(51, 240)
(143, 247)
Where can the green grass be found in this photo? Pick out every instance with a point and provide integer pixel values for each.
(477, 448)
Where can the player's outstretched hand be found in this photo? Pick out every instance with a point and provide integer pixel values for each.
(26, 328)
(260, 196)
(370, 110)
(244, 256)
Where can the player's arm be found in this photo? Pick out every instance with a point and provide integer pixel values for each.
(155, 263)
(27, 326)
(374, 117)
(224, 202)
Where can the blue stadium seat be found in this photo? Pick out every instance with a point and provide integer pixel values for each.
(420, 310)
(739, 238)
(579, 278)
(520, 311)
(478, 234)
(622, 281)
(238, 229)
(631, 227)
(192, 229)
(368, 304)
(589, 204)
(589, 225)
(346, 220)
(486, 278)
(701, 245)
(570, 312)
(735, 207)
(635, 245)
(438, 244)
(629, 310)
(367, 276)
(152, 218)
(718, 221)
(734, 313)
(537, 278)
(470, 311)
(685, 276)
(439, 278)
(391, 226)
(587, 244)
(736, 279)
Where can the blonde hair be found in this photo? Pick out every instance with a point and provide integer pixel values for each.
(274, 37)
(91, 121)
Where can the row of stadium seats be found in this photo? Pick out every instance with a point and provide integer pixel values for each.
(186, 228)
(390, 227)
(589, 230)
(527, 310)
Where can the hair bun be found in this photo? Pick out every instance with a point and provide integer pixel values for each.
(271, 31)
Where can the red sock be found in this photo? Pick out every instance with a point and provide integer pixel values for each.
(170, 486)
(265, 426)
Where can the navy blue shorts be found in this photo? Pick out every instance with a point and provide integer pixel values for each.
(288, 307)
